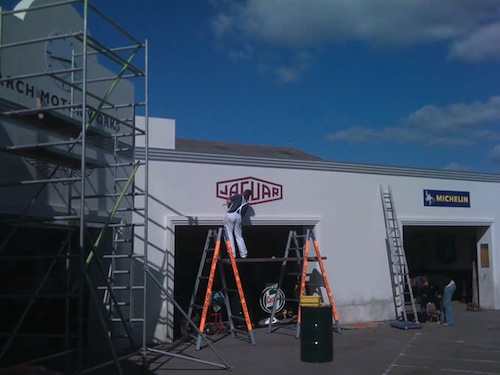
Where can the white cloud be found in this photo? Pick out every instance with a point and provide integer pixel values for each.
(459, 124)
(469, 25)
(480, 45)
(495, 154)
(291, 71)
(287, 74)
(457, 115)
(244, 53)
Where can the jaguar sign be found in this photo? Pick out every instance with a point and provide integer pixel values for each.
(262, 191)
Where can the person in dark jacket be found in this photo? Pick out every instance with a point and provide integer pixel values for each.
(237, 206)
(445, 287)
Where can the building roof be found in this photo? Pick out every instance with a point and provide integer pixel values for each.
(238, 149)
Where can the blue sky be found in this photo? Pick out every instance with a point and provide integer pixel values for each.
(391, 82)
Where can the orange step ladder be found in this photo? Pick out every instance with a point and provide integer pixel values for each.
(297, 252)
(210, 260)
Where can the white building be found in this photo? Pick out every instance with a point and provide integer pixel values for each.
(341, 201)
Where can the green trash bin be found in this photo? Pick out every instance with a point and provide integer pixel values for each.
(316, 334)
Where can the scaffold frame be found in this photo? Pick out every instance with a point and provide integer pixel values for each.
(100, 223)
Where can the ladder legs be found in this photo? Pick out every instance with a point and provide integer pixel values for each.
(240, 291)
(327, 285)
(302, 246)
(208, 294)
(217, 237)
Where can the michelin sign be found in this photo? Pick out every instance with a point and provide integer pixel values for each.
(445, 198)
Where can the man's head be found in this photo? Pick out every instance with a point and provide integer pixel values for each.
(247, 193)
(425, 281)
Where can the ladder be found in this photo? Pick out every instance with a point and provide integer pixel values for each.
(295, 266)
(404, 301)
(125, 288)
(201, 302)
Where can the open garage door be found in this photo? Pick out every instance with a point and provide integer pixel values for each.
(447, 250)
(263, 241)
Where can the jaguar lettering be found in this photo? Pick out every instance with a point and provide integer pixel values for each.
(262, 191)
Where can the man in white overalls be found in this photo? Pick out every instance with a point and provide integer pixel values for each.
(237, 206)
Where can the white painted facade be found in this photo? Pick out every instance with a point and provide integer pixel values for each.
(342, 201)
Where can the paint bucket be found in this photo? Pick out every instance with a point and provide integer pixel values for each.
(316, 336)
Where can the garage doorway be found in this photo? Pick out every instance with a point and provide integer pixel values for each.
(263, 241)
(446, 250)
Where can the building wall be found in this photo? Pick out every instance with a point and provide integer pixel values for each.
(345, 206)
(30, 86)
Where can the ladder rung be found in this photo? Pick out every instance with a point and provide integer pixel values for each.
(121, 272)
(128, 209)
(122, 256)
(66, 217)
(97, 196)
(115, 287)
(126, 225)
(137, 320)
(129, 164)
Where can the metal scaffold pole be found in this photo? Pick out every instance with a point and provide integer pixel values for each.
(146, 199)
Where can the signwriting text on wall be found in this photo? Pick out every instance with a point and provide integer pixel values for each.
(47, 98)
(262, 191)
(445, 198)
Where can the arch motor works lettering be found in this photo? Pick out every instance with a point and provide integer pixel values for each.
(48, 98)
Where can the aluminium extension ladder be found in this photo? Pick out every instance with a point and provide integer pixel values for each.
(294, 265)
(211, 258)
(404, 301)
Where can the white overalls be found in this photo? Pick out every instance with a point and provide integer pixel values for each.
(233, 223)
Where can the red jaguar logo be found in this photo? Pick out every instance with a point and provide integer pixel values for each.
(262, 191)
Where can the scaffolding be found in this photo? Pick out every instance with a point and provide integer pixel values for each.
(74, 206)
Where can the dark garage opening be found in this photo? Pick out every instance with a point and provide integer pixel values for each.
(263, 241)
(446, 250)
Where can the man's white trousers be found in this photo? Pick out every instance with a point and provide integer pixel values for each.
(232, 222)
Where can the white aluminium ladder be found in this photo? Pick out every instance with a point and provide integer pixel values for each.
(404, 301)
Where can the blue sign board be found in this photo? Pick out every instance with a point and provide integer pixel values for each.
(445, 198)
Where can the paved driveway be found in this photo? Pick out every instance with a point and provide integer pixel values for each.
(472, 346)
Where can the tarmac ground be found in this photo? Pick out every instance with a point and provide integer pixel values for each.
(471, 346)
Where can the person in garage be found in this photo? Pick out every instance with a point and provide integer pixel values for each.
(237, 206)
(426, 298)
(445, 288)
